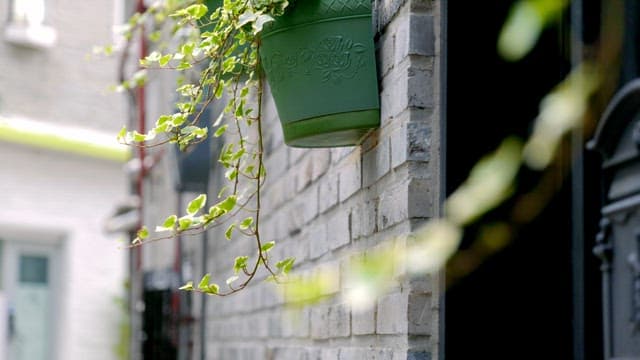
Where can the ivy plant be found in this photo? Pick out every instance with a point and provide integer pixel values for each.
(220, 46)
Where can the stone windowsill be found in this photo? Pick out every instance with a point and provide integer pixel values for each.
(36, 36)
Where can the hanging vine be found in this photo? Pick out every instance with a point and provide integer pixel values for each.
(221, 46)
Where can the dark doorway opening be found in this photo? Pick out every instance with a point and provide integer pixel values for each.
(160, 338)
(519, 303)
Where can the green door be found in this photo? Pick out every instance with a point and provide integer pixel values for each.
(30, 299)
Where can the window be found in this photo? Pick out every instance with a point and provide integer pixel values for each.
(28, 24)
(28, 12)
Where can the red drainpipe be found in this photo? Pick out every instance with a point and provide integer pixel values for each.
(140, 95)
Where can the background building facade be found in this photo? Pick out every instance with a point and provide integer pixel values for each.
(61, 275)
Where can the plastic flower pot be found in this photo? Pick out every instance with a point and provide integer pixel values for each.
(320, 64)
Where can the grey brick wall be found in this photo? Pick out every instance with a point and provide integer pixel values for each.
(324, 205)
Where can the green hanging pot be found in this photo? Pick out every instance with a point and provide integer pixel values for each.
(319, 60)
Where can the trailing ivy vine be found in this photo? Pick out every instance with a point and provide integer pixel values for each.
(221, 46)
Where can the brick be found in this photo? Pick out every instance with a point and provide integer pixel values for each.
(392, 314)
(321, 160)
(328, 192)
(364, 219)
(349, 176)
(419, 314)
(393, 207)
(316, 235)
(418, 355)
(286, 353)
(415, 36)
(380, 354)
(339, 321)
(410, 142)
(330, 354)
(419, 201)
(295, 154)
(420, 87)
(302, 209)
(363, 321)
(386, 53)
(376, 163)
(277, 162)
(340, 153)
(330, 273)
(295, 323)
(304, 173)
(393, 95)
(320, 322)
(385, 12)
(338, 232)
(418, 141)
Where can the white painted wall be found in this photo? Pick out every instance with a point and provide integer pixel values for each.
(45, 192)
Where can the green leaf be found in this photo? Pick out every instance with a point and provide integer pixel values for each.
(197, 10)
(188, 286)
(229, 232)
(184, 65)
(231, 279)
(204, 283)
(170, 222)
(260, 21)
(201, 132)
(184, 223)
(245, 18)
(155, 36)
(196, 204)
(137, 137)
(231, 174)
(163, 61)
(268, 246)
(286, 265)
(143, 233)
(153, 57)
(122, 133)
(213, 288)
(221, 130)
(246, 223)
(240, 263)
(228, 203)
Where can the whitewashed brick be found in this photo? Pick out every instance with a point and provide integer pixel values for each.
(392, 314)
(304, 172)
(338, 231)
(330, 354)
(419, 199)
(420, 88)
(321, 160)
(415, 36)
(386, 52)
(316, 235)
(295, 154)
(393, 95)
(295, 323)
(328, 192)
(363, 321)
(349, 176)
(393, 207)
(277, 162)
(320, 322)
(376, 163)
(419, 314)
(339, 320)
(364, 219)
